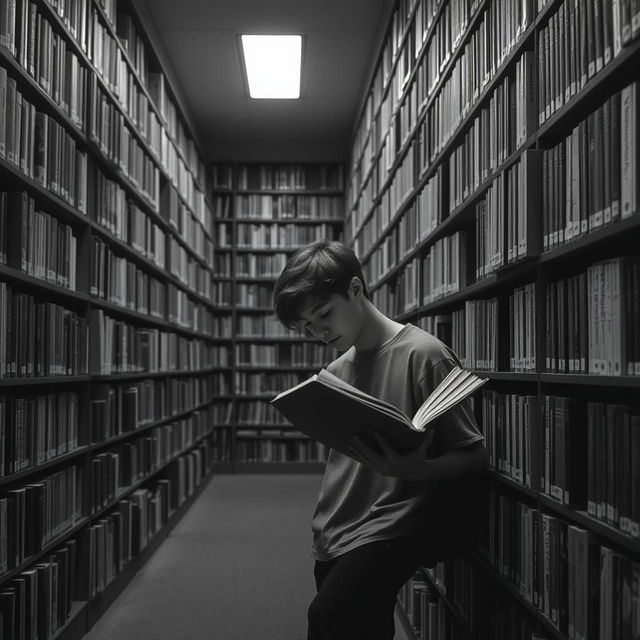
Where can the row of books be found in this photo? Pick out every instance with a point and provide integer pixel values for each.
(508, 422)
(36, 428)
(479, 337)
(584, 588)
(457, 578)
(589, 178)
(613, 450)
(107, 57)
(221, 356)
(506, 219)
(181, 141)
(221, 326)
(592, 320)
(116, 410)
(498, 130)
(221, 412)
(288, 207)
(475, 336)
(45, 339)
(468, 76)
(453, 100)
(426, 612)
(248, 265)
(253, 295)
(131, 94)
(116, 347)
(34, 515)
(282, 236)
(268, 451)
(125, 220)
(258, 412)
(576, 43)
(428, 72)
(189, 271)
(222, 293)
(223, 236)
(115, 471)
(123, 283)
(39, 338)
(220, 384)
(418, 220)
(262, 382)
(47, 57)
(35, 242)
(38, 601)
(593, 472)
(505, 231)
(109, 129)
(134, 44)
(222, 444)
(189, 313)
(441, 272)
(190, 228)
(40, 146)
(305, 354)
(256, 326)
(106, 547)
(112, 210)
(173, 148)
(426, 11)
(290, 177)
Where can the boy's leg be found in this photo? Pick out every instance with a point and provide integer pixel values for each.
(357, 591)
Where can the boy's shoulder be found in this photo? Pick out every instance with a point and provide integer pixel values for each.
(410, 343)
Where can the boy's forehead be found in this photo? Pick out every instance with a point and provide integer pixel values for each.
(311, 304)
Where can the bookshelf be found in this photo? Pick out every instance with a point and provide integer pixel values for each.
(492, 198)
(109, 368)
(262, 213)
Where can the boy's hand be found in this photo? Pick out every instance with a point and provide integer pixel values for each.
(407, 466)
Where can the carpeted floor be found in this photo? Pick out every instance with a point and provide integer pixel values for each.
(236, 567)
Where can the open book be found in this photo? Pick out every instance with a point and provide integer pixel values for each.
(331, 411)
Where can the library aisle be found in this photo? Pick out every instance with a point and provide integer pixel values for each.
(236, 567)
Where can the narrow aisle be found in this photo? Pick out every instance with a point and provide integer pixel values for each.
(236, 567)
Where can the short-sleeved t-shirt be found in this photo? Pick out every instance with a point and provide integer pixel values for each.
(356, 504)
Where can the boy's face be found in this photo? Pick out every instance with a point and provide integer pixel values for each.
(335, 320)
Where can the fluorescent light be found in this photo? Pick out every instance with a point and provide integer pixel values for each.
(273, 65)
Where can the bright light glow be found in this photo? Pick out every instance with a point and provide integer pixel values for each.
(273, 65)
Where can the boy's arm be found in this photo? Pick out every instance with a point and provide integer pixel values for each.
(452, 464)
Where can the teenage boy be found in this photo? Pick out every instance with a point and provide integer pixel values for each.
(378, 516)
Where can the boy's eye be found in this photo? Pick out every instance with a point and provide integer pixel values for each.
(325, 313)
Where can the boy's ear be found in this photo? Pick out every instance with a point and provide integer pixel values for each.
(355, 286)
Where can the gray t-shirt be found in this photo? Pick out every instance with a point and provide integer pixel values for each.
(357, 505)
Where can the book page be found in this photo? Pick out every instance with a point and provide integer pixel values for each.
(455, 387)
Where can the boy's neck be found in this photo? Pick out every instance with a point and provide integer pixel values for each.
(377, 328)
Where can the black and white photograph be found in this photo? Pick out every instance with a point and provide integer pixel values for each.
(319, 320)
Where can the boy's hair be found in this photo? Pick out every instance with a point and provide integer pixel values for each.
(317, 270)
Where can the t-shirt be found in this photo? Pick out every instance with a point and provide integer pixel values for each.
(356, 504)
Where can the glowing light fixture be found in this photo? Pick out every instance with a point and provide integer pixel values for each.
(273, 65)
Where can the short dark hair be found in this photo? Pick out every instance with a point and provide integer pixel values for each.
(317, 270)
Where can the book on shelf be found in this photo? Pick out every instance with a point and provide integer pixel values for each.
(331, 411)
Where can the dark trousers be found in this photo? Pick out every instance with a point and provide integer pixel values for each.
(357, 591)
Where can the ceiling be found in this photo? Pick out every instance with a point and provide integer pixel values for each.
(341, 43)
